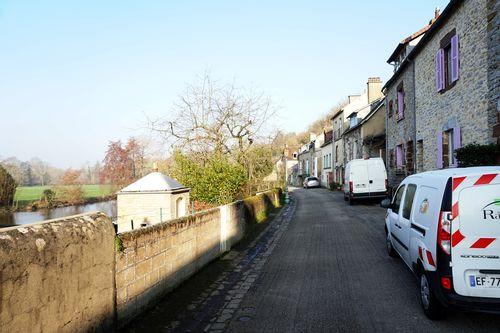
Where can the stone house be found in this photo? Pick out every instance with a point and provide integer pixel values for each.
(366, 138)
(326, 151)
(444, 92)
(357, 108)
(150, 200)
(310, 157)
(457, 82)
(400, 109)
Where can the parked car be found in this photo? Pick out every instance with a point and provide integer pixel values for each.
(445, 225)
(310, 182)
(365, 178)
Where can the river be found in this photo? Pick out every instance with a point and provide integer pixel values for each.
(20, 218)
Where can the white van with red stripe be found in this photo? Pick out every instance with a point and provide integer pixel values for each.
(445, 225)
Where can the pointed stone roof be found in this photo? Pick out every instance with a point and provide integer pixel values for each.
(154, 182)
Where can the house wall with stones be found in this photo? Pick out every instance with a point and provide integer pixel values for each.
(400, 131)
(353, 144)
(493, 33)
(58, 276)
(466, 104)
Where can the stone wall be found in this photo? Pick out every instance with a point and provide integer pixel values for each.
(466, 103)
(58, 276)
(77, 275)
(154, 260)
(493, 31)
(400, 131)
(157, 258)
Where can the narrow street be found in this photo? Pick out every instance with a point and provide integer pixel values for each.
(320, 267)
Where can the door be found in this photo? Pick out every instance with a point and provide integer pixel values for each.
(404, 223)
(359, 178)
(376, 176)
(394, 220)
(475, 230)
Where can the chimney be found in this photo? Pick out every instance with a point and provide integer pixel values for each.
(374, 88)
(437, 12)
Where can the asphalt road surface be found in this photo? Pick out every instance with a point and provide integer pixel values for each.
(330, 273)
(321, 266)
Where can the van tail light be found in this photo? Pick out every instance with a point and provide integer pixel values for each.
(444, 231)
(350, 187)
(446, 283)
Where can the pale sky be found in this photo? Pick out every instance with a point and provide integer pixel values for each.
(75, 75)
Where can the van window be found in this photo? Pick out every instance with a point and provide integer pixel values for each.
(410, 194)
(397, 199)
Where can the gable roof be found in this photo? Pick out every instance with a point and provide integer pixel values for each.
(449, 10)
(153, 182)
(408, 39)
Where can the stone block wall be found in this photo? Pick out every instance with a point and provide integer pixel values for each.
(464, 105)
(400, 131)
(154, 260)
(77, 275)
(157, 258)
(58, 276)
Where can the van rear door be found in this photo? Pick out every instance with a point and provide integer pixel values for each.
(475, 230)
(376, 175)
(359, 177)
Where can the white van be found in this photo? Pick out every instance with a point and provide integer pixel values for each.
(446, 226)
(365, 178)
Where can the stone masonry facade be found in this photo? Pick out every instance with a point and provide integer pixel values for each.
(400, 130)
(466, 104)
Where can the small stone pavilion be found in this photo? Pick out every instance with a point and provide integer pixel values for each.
(152, 199)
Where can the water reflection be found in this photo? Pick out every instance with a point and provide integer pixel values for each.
(19, 218)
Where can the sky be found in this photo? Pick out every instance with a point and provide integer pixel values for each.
(74, 75)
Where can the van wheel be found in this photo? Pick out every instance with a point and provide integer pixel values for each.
(351, 201)
(345, 197)
(388, 245)
(431, 306)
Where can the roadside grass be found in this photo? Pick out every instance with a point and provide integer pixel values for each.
(26, 194)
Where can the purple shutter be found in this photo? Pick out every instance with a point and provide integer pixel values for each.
(454, 58)
(399, 156)
(400, 104)
(439, 70)
(439, 161)
(457, 142)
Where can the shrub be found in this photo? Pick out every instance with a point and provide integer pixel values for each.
(478, 155)
(215, 180)
(48, 197)
(7, 188)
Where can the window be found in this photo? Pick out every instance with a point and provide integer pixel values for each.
(409, 157)
(420, 155)
(410, 194)
(397, 199)
(399, 156)
(447, 62)
(401, 101)
(336, 154)
(448, 142)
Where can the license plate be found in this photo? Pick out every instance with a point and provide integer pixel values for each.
(484, 281)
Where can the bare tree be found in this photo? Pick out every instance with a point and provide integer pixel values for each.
(213, 117)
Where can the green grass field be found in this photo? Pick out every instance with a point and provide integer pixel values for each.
(25, 194)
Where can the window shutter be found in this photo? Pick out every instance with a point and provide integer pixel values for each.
(454, 58)
(439, 70)
(439, 161)
(457, 142)
(400, 104)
